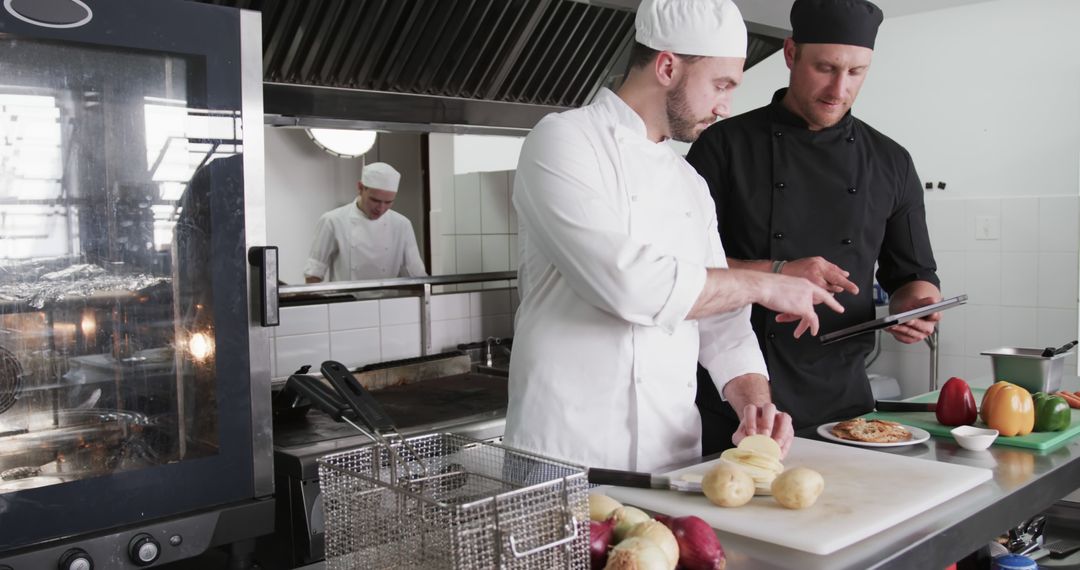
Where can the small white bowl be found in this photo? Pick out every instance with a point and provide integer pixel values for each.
(973, 438)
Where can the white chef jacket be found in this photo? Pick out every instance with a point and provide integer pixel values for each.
(615, 233)
(354, 247)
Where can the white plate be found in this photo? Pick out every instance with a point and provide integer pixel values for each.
(917, 436)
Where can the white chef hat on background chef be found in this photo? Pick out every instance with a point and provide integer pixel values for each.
(380, 176)
(712, 28)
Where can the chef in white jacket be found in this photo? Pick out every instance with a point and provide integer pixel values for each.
(623, 279)
(365, 239)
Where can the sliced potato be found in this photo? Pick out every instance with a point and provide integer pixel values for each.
(762, 444)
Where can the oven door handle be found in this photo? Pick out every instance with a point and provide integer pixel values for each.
(264, 263)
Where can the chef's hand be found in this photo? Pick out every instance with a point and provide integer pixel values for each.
(914, 330)
(821, 272)
(794, 299)
(912, 296)
(766, 420)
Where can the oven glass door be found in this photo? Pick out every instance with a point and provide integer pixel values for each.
(124, 392)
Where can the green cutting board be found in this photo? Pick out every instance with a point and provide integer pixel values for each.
(927, 421)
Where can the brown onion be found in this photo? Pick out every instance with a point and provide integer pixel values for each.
(699, 547)
(601, 533)
(661, 536)
(637, 554)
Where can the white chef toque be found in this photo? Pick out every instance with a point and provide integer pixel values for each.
(380, 176)
(712, 28)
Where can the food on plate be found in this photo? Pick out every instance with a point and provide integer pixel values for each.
(637, 554)
(1052, 413)
(798, 488)
(699, 547)
(659, 534)
(625, 519)
(728, 486)
(871, 431)
(601, 506)
(759, 456)
(1009, 409)
(601, 535)
(956, 404)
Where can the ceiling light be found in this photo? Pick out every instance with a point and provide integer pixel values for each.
(343, 143)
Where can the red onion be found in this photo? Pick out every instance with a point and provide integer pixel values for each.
(699, 548)
(601, 534)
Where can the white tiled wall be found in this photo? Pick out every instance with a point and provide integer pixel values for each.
(366, 332)
(1022, 287)
(479, 230)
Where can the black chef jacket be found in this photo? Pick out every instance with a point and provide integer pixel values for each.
(783, 192)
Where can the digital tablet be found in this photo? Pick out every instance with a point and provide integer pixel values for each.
(890, 320)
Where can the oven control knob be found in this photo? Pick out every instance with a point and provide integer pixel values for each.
(143, 549)
(76, 559)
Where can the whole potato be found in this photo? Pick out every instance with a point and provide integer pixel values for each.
(728, 486)
(798, 488)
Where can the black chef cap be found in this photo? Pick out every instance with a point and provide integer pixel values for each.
(849, 22)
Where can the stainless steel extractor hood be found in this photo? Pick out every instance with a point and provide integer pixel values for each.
(444, 65)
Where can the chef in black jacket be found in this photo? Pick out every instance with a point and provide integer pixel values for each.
(804, 188)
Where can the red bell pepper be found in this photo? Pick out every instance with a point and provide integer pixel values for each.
(956, 404)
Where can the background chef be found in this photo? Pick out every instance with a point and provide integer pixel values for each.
(622, 274)
(804, 188)
(365, 239)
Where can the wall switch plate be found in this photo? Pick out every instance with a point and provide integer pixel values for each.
(987, 227)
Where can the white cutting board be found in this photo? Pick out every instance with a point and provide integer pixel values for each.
(866, 492)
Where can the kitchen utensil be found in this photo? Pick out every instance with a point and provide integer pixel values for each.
(640, 480)
(1028, 367)
(974, 438)
(11, 373)
(442, 500)
(1051, 351)
(866, 492)
(898, 406)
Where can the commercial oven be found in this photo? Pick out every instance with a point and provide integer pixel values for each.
(135, 422)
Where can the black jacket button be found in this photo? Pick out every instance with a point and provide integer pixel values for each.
(779, 185)
(771, 335)
(852, 190)
(778, 235)
(778, 134)
(846, 241)
(851, 139)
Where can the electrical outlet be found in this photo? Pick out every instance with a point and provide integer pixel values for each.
(987, 227)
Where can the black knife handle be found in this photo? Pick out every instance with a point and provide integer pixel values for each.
(620, 478)
(367, 408)
(893, 406)
(318, 394)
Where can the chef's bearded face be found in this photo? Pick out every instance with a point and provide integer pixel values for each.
(701, 95)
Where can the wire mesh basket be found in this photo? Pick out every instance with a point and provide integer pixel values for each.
(450, 502)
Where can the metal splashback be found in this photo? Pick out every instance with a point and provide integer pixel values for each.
(480, 63)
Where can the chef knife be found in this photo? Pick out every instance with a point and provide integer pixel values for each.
(895, 406)
(620, 478)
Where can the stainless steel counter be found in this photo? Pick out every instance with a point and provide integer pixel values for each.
(1025, 483)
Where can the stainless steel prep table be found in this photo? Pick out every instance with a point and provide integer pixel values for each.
(940, 537)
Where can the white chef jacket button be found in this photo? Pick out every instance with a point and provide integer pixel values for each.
(688, 214)
(633, 197)
(639, 380)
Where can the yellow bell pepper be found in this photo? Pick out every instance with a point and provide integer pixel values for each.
(1009, 409)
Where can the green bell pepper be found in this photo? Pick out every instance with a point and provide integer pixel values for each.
(1052, 413)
